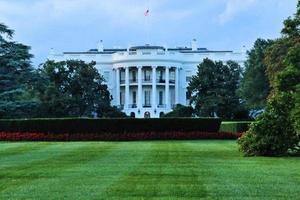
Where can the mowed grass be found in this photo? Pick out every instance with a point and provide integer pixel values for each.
(143, 170)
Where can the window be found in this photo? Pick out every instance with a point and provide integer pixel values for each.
(160, 98)
(172, 75)
(147, 115)
(133, 76)
(106, 76)
(160, 76)
(122, 98)
(132, 115)
(147, 75)
(122, 78)
(147, 97)
(134, 97)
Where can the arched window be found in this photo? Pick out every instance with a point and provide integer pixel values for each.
(161, 114)
(147, 115)
(132, 115)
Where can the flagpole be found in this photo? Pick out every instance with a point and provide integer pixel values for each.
(148, 30)
(147, 25)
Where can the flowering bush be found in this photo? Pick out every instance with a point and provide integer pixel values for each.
(22, 136)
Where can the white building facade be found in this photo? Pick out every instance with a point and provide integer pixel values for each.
(148, 81)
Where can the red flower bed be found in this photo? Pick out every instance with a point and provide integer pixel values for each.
(20, 136)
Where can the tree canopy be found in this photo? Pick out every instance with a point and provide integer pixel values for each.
(16, 73)
(276, 131)
(71, 88)
(254, 87)
(181, 111)
(213, 89)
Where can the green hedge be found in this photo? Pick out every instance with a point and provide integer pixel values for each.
(235, 127)
(127, 125)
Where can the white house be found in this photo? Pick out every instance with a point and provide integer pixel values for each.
(147, 81)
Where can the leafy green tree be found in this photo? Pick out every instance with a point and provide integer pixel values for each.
(213, 89)
(111, 112)
(276, 131)
(254, 87)
(181, 111)
(72, 88)
(16, 73)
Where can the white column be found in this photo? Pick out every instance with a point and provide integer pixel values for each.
(154, 87)
(177, 85)
(118, 87)
(167, 88)
(140, 89)
(126, 87)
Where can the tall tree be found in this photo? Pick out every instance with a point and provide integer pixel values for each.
(254, 87)
(213, 89)
(276, 131)
(72, 88)
(16, 73)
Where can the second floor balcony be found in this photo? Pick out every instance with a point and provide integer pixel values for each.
(148, 80)
(134, 80)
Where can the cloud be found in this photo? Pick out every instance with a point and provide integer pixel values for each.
(233, 8)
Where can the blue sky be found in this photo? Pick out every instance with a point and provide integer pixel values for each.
(77, 25)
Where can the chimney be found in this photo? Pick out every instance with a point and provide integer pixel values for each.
(100, 46)
(194, 45)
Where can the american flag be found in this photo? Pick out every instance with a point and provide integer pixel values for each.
(146, 13)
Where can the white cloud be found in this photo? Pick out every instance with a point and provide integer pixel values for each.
(233, 8)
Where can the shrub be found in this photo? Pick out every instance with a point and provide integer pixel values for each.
(273, 133)
(125, 125)
(181, 111)
(235, 127)
(195, 135)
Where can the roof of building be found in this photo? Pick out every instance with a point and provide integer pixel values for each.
(148, 47)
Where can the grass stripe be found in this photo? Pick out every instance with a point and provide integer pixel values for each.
(167, 172)
(57, 157)
(93, 171)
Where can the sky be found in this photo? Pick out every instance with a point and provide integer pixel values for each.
(78, 25)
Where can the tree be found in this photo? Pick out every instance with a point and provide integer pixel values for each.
(276, 131)
(71, 88)
(213, 89)
(254, 87)
(181, 111)
(111, 112)
(16, 73)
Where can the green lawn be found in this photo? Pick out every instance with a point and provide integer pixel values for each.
(143, 170)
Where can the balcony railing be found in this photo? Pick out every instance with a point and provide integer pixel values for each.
(147, 80)
(133, 80)
(161, 80)
(172, 81)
